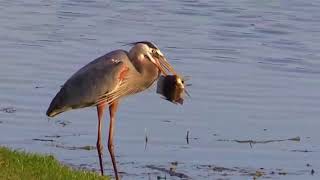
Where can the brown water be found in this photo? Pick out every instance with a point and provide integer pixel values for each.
(254, 68)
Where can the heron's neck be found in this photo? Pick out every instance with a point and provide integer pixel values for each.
(143, 66)
(135, 61)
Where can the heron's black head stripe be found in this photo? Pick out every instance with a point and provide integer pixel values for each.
(148, 43)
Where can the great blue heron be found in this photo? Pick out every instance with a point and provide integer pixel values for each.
(108, 78)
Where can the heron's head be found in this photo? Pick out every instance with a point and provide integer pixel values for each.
(145, 50)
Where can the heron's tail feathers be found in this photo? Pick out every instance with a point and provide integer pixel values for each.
(56, 106)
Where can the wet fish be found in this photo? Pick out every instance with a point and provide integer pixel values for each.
(172, 88)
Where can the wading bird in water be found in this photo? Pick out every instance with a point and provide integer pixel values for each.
(104, 81)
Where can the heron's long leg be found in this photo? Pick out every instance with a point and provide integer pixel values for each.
(113, 109)
(100, 110)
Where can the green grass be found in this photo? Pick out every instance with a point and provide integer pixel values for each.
(16, 165)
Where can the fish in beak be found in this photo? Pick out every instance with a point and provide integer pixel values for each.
(171, 87)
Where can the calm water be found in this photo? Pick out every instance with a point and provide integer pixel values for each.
(255, 75)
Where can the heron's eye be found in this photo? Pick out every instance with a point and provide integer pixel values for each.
(154, 51)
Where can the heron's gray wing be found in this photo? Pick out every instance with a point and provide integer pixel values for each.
(123, 88)
(90, 83)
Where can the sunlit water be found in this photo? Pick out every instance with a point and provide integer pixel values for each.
(254, 68)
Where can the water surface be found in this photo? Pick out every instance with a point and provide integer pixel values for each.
(254, 68)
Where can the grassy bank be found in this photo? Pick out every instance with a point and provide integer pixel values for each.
(20, 165)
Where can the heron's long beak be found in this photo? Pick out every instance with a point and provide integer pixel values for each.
(162, 63)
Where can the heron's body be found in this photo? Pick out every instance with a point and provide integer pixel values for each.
(105, 80)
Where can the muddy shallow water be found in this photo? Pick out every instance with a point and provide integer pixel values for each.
(254, 67)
